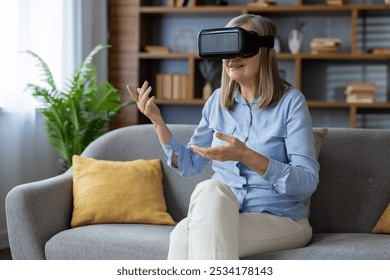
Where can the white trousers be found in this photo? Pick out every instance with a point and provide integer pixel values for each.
(214, 228)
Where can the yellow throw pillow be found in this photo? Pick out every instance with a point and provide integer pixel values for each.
(383, 224)
(118, 192)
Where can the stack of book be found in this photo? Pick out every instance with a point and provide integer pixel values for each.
(172, 86)
(360, 92)
(325, 45)
(262, 3)
(336, 2)
(178, 3)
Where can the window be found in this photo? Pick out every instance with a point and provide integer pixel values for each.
(44, 27)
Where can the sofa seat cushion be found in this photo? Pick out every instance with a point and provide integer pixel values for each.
(110, 241)
(337, 246)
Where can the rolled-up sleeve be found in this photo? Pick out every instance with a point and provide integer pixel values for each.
(189, 162)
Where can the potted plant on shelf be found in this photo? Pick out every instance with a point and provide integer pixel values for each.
(80, 113)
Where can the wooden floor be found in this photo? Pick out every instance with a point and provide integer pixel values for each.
(5, 254)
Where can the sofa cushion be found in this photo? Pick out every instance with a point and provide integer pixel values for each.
(110, 241)
(118, 192)
(337, 246)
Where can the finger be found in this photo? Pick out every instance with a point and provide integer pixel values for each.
(132, 93)
(149, 102)
(197, 149)
(144, 97)
(204, 152)
(144, 87)
(225, 137)
(194, 147)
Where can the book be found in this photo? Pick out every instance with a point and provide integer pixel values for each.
(355, 99)
(159, 86)
(156, 49)
(176, 78)
(262, 3)
(167, 86)
(324, 40)
(361, 86)
(336, 2)
(179, 3)
(317, 50)
(327, 43)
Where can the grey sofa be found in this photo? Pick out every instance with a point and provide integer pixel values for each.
(353, 192)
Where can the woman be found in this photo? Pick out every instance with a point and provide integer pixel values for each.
(257, 131)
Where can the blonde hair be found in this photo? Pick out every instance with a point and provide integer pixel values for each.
(271, 86)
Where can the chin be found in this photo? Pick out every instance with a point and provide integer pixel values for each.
(235, 78)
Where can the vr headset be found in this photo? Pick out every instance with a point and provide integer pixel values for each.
(231, 42)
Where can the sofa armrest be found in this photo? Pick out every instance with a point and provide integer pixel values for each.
(37, 211)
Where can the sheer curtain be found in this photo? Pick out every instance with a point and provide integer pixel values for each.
(62, 32)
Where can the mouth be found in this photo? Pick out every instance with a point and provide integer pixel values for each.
(235, 66)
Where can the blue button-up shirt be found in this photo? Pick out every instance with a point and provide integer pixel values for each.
(282, 133)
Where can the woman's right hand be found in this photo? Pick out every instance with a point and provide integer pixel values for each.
(148, 107)
(146, 104)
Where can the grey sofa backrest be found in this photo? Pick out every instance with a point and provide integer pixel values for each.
(354, 187)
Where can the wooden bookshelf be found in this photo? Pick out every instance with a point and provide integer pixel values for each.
(130, 31)
(351, 107)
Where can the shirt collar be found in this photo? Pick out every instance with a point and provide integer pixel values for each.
(239, 99)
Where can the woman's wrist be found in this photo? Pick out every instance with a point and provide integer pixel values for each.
(162, 131)
(255, 161)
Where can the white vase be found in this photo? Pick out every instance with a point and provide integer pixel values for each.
(295, 39)
(278, 48)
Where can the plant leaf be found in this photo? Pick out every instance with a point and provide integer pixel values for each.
(44, 68)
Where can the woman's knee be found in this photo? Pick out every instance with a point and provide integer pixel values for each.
(212, 196)
(212, 188)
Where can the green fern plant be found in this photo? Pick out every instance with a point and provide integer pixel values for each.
(79, 114)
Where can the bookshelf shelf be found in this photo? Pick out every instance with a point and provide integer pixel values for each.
(338, 56)
(238, 8)
(270, 9)
(140, 22)
(172, 55)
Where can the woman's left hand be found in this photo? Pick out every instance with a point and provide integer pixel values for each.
(234, 150)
